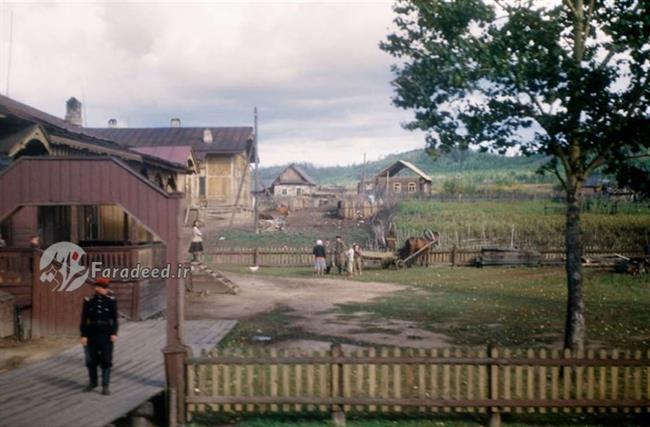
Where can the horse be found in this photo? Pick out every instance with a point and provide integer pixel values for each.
(413, 245)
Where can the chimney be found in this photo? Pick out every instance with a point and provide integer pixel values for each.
(73, 112)
(175, 122)
(207, 136)
(112, 123)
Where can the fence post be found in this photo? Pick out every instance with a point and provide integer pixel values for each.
(336, 386)
(493, 386)
(256, 256)
(453, 256)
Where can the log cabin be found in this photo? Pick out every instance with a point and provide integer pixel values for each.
(293, 181)
(399, 180)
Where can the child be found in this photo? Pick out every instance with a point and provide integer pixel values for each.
(196, 247)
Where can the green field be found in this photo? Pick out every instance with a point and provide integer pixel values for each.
(503, 306)
(538, 223)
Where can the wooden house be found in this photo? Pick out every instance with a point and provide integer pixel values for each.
(401, 179)
(121, 206)
(223, 157)
(293, 181)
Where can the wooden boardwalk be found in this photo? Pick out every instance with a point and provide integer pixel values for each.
(48, 393)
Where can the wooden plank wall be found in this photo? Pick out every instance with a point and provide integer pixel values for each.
(419, 380)
(16, 274)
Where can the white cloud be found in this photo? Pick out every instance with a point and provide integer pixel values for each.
(314, 70)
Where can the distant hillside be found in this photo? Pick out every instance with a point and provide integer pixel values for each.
(475, 167)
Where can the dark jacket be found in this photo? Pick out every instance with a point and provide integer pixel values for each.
(319, 251)
(99, 316)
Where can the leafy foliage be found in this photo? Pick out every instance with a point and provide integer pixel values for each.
(569, 81)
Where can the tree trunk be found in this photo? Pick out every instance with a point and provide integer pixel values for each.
(574, 331)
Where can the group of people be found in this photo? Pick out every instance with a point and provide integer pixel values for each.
(340, 256)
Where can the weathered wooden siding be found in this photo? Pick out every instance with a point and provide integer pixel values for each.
(219, 178)
(33, 181)
(16, 274)
(24, 226)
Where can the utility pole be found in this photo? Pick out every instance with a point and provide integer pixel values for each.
(11, 44)
(255, 185)
(363, 177)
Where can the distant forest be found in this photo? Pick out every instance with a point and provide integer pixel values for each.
(470, 165)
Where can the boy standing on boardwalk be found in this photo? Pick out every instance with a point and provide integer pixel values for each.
(98, 333)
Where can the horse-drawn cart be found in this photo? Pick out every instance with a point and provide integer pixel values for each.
(407, 254)
(386, 259)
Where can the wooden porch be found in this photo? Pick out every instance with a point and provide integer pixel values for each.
(49, 392)
(138, 299)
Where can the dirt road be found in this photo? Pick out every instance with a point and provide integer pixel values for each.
(312, 305)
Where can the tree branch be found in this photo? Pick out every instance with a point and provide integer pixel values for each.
(588, 19)
(571, 6)
(559, 177)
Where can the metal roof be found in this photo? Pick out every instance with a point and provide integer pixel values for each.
(225, 140)
(175, 153)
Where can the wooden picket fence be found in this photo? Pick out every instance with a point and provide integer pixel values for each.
(302, 257)
(398, 380)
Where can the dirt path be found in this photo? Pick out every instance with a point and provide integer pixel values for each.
(312, 304)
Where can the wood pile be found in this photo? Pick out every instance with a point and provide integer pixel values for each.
(497, 256)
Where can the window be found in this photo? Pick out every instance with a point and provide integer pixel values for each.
(298, 191)
(397, 187)
(201, 186)
(411, 187)
(284, 191)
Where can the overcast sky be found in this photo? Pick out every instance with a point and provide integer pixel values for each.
(314, 70)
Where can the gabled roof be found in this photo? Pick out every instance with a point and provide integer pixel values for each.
(25, 112)
(225, 140)
(400, 165)
(305, 179)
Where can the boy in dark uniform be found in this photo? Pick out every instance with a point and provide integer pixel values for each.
(98, 333)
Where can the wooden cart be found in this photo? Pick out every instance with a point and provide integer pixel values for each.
(386, 259)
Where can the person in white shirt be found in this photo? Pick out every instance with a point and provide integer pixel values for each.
(196, 247)
(349, 254)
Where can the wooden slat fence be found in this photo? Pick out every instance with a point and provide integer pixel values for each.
(302, 257)
(396, 380)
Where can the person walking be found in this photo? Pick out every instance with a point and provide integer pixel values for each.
(196, 247)
(339, 254)
(98, 334)
(319, 258)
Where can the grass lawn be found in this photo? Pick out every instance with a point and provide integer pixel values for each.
(436, 420)
(503, 306)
